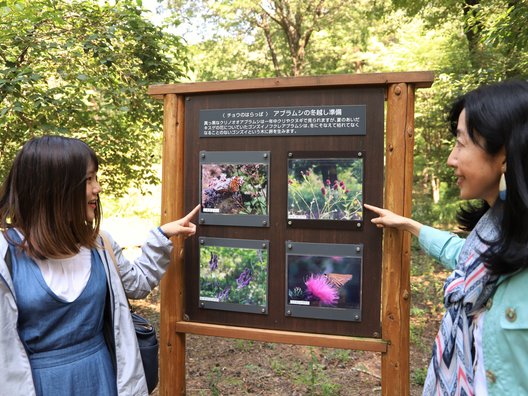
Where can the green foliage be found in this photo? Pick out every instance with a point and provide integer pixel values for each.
(244, 345)
(466, 43)
(279, 367)
(495, 38)
(228, 59)
(213, 379)
(342, 356)
(81, 68)
(314, 379)
(260, 38)
(416, 333)
(503, 37)
(418, 376)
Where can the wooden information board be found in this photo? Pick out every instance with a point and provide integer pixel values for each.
(284, 250)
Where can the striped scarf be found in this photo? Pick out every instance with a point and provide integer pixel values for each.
(466, 291)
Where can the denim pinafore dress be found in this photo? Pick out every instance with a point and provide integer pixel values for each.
(64, 340)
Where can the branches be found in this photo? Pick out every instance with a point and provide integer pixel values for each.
(297, 25)
(265, 26)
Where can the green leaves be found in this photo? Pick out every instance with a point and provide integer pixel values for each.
(82, 69)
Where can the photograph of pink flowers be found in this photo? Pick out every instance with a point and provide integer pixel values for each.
(234, 188)
(234, 274)
(324, 281)
(325, 189)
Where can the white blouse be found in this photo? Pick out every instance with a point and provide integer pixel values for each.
(67, 277)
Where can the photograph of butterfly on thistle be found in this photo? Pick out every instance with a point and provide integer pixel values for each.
(325, 189)
(324, 281)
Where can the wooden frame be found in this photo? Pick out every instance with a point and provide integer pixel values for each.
(395, 298)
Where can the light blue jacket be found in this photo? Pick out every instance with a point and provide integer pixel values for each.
(505, 333)
(138, 278)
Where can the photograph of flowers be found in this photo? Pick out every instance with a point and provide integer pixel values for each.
(325, 189)
(234, 277)
(324, 281)
(234, 185)
(235, 188)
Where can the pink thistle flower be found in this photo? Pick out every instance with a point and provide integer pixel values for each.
(318, 288)
(323, 190)
(327, 182)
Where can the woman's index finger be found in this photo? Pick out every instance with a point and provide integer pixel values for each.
(193, 212)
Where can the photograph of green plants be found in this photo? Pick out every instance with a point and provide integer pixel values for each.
(234, 275)
(325, 189)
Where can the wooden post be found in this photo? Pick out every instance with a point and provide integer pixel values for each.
(396, 255)
(172, 344)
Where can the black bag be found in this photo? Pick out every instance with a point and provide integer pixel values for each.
(148, 347)
(145, 332)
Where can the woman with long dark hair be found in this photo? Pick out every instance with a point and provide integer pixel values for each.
(482, 345)
(66, 328)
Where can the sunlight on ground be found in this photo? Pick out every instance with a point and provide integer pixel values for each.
(129, 218)
(128, 232)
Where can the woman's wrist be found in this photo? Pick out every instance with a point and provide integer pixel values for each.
(163, 232)
(413, 226)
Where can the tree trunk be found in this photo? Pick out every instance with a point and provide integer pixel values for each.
(472, 30)
(264, 25)
(435, 186)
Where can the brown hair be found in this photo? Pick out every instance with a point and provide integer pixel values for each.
(44, 197)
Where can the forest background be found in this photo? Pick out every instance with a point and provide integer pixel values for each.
(82, 68)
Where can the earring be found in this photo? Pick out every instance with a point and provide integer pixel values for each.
(502, 188)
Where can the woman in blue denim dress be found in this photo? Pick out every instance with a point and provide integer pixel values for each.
(66, 326)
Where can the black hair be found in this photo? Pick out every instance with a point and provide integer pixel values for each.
(44, 197)
(498, 114)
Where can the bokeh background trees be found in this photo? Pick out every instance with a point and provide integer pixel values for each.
(465, 42)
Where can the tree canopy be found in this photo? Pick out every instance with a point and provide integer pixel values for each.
(81, 68)
(465, 42)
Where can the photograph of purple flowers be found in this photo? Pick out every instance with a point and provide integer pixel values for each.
(234, 275)
(234, 188)
(325, 189)
(324, 281)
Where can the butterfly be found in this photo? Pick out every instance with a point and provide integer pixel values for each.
(235, 183)
(338, 280)
(230, 185)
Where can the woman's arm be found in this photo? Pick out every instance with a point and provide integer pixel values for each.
(441, 245)
(392, 220)
(182, 227)
(144, 273)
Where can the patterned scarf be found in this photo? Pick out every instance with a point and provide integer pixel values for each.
(466, 291)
